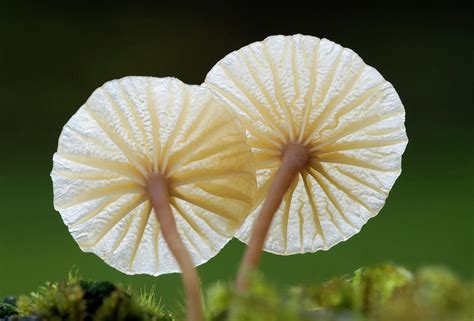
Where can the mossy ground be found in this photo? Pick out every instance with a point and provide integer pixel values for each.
(379, 293)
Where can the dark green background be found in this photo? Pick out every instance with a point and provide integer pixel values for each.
(53, 56)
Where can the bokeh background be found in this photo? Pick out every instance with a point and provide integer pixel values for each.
(52, 56)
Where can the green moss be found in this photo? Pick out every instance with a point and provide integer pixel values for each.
(94, 295)
(260, 302)
(79, 300)
(55, 302)
(151, 307)
(119, 307)
(437, 295)
(218, 298)
(7, 309)
(379, 293)
(373, 286)
(336, 295)
(392, 293)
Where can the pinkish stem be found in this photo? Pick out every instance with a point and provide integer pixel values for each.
(295, 157)
(157, 189)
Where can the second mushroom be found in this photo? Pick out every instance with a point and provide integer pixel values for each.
(327, 133)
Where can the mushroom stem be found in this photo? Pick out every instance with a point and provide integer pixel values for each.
(294, 159)
(157, 189)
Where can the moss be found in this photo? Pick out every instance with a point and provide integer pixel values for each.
(218, 297)
(7, 309)
(151, 307)
(94, 295)
(55, 302)
(260, 302)
(79, 300)
(437, 294)
(391, 293)
(118, 307)
(440, 287)
(379, 293)
(373, 286)
(335, 294)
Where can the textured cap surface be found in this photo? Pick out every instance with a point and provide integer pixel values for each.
(315, 92)
(135, 126)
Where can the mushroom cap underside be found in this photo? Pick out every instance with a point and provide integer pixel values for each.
(127, 130)
(311, 91)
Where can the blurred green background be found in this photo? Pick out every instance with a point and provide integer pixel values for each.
(53, 56)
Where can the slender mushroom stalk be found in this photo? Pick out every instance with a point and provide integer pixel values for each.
(154, 176)
(327, 134)
(294, 159)
(157, 190)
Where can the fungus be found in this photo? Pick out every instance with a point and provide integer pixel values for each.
(154, 176)
(327, 134)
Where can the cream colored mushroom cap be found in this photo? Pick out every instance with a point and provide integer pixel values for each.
(135, 126)
(315, 92)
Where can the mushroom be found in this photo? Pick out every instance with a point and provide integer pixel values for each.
(327, 134)
(154, 176)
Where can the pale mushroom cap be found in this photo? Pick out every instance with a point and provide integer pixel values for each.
(135, 126)
(313, 91)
